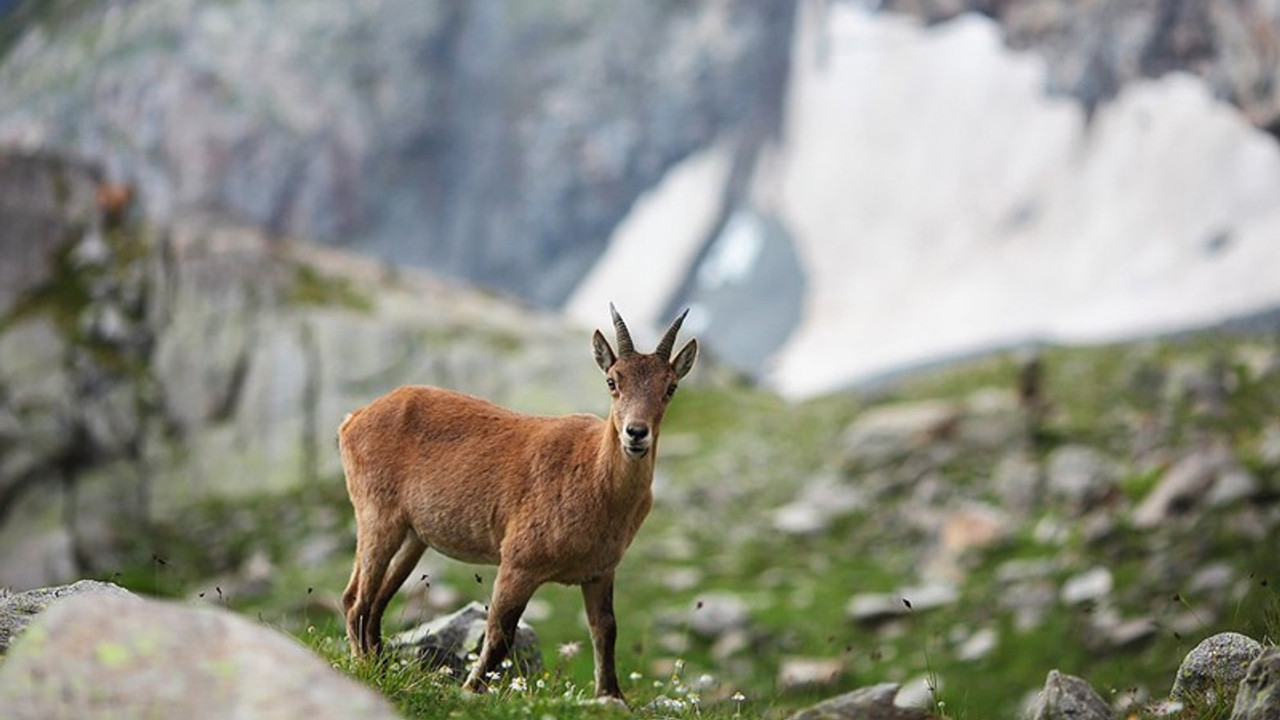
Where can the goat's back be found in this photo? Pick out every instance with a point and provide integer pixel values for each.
(456, 468)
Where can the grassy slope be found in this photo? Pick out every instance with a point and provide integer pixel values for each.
(737, 453)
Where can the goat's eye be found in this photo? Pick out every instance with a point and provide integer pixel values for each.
(671, 389)
(613, 384)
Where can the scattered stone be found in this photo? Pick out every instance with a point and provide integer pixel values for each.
(1212, 579)
(112, 656)
(800, 673)
(1081, 476)
(821, 500)
(19, 610)
(919, 692)
(872, 608)
(1233, 485)
(1217, 664)
(1185, 485)
(682, 578)
(716, 614)
(1127, 634)
(1017, 480)
(884, 434)
(870, 703)
(1066, 697)
(964, 531)
(1259, 695)
(978, 645)
(446, 641)
(1089, 586)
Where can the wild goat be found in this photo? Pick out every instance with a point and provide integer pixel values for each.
(546, 499)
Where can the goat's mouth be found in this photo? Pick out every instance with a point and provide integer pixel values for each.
(636, 450)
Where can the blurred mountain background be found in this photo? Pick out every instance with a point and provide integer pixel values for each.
(841, 189)
(224, 224)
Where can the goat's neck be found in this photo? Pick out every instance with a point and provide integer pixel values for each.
(624, 476)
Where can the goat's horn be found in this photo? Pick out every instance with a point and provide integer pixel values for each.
(624, 336)
(669, 340)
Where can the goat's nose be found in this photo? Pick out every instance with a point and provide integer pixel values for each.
(637, 432)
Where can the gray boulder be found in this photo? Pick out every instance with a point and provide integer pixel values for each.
(108, 656)
(447, 641)
(1259, 695)
(18, 610)
(1216, 665)
(870, 703)
(1067, 697)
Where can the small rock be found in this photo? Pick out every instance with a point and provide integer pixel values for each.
(1081, 476)
(682, 578)
(978, 645)
(887, 433)
(1259, 695)
(1066, 697)
(1017, 480)
(1232, 486)
(1211, 579)
(1088, 586)
(1217, 664)
(821, 500)
(796, 673)
(919, 692)
(871, 608)
(17, 611)
(447, 641)
(1129, 633)
(870, 703)
(716, 614)
(1183, 486)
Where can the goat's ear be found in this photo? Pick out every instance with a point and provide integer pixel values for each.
(684, 360)
(604, 354)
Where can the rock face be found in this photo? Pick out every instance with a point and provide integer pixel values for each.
(106, 656)
(450, 641)
(489, 142)
(18, 610)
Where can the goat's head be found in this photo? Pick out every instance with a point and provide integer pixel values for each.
(641, 384)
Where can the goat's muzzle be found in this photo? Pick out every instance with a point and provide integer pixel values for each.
(636, 439)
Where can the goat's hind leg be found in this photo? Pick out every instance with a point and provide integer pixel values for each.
(376, 546)
(402, 564)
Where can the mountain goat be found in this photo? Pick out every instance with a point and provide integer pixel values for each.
(546, 499)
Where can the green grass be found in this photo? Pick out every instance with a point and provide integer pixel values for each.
(736, 454)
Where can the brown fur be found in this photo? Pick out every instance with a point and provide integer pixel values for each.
(547, 499)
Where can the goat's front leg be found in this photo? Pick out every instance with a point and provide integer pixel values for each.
(597, 595)
(511, 592)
